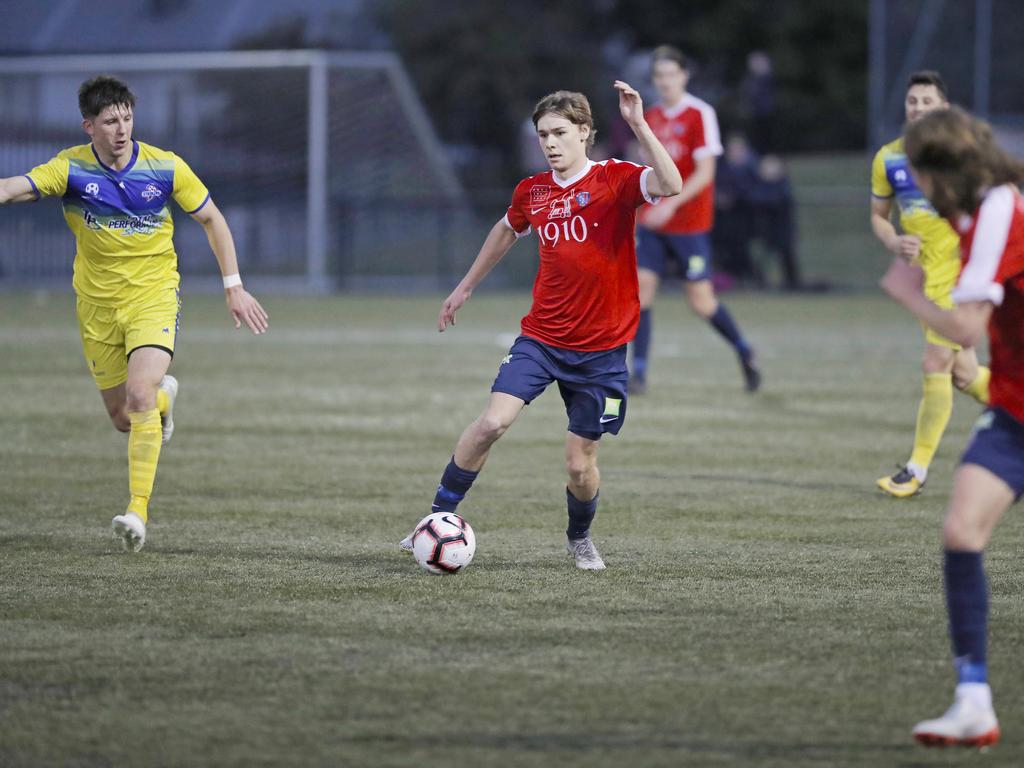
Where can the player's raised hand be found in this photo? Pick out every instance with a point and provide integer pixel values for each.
(630, 104)
(245, 309)
(451, 305)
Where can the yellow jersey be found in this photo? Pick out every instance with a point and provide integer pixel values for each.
(121, 220)
(940, 245)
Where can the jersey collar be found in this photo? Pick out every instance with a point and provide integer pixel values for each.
(569, 182)
(678, 108)
(123, 171)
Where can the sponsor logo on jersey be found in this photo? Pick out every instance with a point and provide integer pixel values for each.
(136, 225)
(539, 198)
(151, 193)
(562, 207)
(91, 221)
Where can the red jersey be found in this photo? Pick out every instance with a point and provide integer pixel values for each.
(689, 131)
(992, 248)
(585, 297)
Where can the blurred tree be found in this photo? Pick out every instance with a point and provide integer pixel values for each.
(480, 66)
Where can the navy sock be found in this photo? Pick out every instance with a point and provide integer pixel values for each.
(581, 513)
(722, 322)
(967, 603)
(641, 344)
(455, 482)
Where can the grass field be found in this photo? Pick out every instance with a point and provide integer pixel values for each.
(763, 605)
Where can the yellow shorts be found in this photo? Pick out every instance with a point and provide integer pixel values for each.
(941, 295)
(111, 334)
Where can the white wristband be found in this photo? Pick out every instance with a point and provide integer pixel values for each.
(230, 281)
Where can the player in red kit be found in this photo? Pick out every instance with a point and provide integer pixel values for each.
(585, 300)
(972, 182)
(680, 229)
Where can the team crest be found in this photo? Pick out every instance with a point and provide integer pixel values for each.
(582, 198)
(150, 193)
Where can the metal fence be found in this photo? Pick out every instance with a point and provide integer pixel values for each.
(325, 164)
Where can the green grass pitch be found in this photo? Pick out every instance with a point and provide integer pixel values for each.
(763, 604)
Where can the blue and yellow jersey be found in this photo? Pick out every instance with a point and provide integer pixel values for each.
(121, 220)
(940, 245)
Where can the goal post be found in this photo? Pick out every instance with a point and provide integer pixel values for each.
(284, 140)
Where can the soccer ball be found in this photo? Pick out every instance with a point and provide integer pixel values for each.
(443, 543)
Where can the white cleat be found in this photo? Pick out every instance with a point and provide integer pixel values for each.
(168, 384)
(130, 529)
(584, 553)
(970, 722)
(406, 543)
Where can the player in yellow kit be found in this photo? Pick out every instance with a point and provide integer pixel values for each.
(116, 195)
(930, 241)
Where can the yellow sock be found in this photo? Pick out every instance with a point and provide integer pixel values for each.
(932, 417)
(978, 389)
(143, 453)
(163, 401)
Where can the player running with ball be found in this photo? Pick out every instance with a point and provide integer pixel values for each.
(972, 182)
(585, 300)
(116, 195)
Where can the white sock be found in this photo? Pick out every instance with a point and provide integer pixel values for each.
(918, 471)
(979, 694)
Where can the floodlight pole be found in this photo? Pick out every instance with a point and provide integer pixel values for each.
(316, 177)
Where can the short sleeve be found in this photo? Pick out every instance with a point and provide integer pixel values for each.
(980, 279)
(50, 178)
(189, 192)
(629, 182)
(707, 139)
(515, 217)
(880, 186)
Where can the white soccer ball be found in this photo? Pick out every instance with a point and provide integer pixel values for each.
(443, 543)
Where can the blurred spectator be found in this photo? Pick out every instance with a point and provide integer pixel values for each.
(758, 101)
(775, 223)
(735, 182)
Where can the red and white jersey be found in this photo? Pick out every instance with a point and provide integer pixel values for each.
(585, 296)
(689, 131)
(992, 251)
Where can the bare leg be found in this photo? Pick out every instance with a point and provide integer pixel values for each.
(475, 443)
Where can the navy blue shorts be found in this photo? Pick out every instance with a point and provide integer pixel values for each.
(997, 444)
(692, 252)
(592, 384)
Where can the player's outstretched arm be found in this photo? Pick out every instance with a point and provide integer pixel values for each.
(16, 189)
(243, 307)
(497, 244)
(965, 323)
(667, 181)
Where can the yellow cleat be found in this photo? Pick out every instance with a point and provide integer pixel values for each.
(902, 484)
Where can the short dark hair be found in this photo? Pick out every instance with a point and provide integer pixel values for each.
(101, 92)
(928, 77)
(669, 53)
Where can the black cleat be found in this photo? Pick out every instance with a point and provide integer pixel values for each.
(751, 373)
